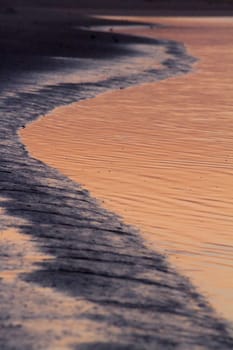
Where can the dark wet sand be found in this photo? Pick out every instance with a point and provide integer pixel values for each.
(84, 279)
(177, 159)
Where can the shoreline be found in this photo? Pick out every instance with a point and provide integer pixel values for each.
(93, 182)
(101, 252)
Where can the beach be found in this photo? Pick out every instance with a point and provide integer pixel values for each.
(104, 213)
(176, 158)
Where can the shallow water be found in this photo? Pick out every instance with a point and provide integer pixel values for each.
(161, 156)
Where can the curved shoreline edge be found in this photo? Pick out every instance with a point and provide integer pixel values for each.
(132, 290)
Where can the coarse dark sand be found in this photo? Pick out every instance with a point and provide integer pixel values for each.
(96, 286)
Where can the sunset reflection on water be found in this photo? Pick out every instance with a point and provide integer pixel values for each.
(161, 155)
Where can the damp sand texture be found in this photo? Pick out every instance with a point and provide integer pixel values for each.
(161, 156)
(73, 275)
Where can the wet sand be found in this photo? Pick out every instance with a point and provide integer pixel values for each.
(170, 172)
(73, 275)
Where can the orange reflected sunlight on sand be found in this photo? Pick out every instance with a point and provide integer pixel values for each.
(161, 155)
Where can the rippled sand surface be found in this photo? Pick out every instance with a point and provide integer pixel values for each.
(161, 155)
